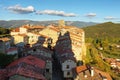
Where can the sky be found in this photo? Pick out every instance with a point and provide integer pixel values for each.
(69, 10)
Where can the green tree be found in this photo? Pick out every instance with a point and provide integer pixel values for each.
(5, 59)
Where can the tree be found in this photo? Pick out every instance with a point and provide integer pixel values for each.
(4, 31)
(5, 59)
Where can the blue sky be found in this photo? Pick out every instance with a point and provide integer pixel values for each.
(72, 10)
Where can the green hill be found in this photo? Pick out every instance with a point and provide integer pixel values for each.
(108, 29)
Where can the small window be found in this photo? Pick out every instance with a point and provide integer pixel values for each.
(68, 73)
(31, 36)
(34, 50)
(67, 66)
(47, 70)
(32, 40)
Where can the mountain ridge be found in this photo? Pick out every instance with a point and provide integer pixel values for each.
(17, 23)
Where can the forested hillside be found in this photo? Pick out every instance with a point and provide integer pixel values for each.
(109, 29)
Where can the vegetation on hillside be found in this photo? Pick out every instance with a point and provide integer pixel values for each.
(6, 59)
(93, 57)
(4, 32)
(109, 29)
(101, 41)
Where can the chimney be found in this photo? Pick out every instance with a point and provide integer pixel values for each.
(92, 71)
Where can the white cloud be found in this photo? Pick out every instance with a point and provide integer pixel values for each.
(110, 18)
(90, 15)
(21, 10)
(55, 12)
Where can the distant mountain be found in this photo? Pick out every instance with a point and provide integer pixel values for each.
(108, 29)
(17, 23)
(80, 23)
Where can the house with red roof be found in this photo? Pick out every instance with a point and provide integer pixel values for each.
(15, 31)
(52, 32)
(114, 63)
(89, 73)
(44, 54)
(3, 73)
(5, 46)
(68, 46)
(26, 68)
(21, 38)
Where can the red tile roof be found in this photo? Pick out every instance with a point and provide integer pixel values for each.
(3, 74)
(22, 34)
(54, 28)
(44, 36)
(110, 60)
(103, 74)
(5, 39)
(118, 64)
(25, 70)
(26, 26)
(29, 60)
(33, 27)
(80, 69)
(84, 73)
(16, 30)
(37, 27)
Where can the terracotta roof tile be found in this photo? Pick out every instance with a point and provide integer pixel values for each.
(25, 70)
(3, 74)
(29, 60)
(118, 64)
(37, 27)
(81, 68)
(54, 28)
(22, 34)
(25, 26)
(16, 30)
(5, 39)
(103, 74)
(110, 60)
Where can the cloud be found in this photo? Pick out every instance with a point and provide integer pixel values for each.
(56, 13)
(90, 15)
(110, 18)
(21, 10)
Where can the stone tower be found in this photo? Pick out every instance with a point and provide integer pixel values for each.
(61, 23)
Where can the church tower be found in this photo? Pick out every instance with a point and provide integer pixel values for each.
(61, 23)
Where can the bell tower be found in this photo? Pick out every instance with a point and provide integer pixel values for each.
(61, 23)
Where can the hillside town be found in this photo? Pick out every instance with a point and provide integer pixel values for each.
(53, 52)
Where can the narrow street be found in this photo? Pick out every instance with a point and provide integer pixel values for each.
(57, 73)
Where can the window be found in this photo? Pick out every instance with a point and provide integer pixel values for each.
(32, 40)
(34, 50)
(68, 73)
(31, 36)
(67, 66)
(47, 70)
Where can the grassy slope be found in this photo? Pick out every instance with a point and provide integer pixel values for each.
(108, 29)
